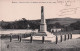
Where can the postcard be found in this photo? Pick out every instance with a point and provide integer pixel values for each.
(39, 25)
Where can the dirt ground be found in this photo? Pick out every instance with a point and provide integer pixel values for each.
(37, 45)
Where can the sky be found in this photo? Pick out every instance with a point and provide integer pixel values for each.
(11, 10)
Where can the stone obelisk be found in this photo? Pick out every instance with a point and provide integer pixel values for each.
(43, 27)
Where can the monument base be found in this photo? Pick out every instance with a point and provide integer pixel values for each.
(43, 27)
(47, 36)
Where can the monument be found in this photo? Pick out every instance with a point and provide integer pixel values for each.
(43, 27)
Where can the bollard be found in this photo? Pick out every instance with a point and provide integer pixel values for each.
(10, 38)
(56, 39)
(1, 36)
(43, 39)
(65, 37)
(68, 36)
(31, 38)
(18, 37)
(71, 36)
(61, 38)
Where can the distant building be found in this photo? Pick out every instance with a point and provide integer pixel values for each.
(56, 29)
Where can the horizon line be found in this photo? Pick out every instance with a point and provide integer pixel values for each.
(37, 19)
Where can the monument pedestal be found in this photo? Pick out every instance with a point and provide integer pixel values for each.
(43, 28)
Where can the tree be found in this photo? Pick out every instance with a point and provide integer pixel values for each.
(75, 25)
(57, 25)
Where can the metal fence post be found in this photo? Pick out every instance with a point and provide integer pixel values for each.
(11, 38)
(71, 36)
(65, 37)
(56, 39)
(1, 36)
(31, 38)
(20, 38)
(43, 39)
(61, 38)
(68, 36)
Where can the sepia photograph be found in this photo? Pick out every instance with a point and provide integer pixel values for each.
(39, 25)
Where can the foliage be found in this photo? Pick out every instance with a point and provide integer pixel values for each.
(21, 24)
(75, 25)
(30, 24)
